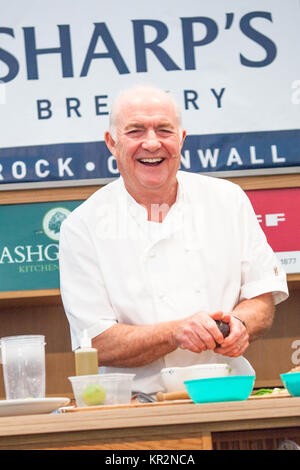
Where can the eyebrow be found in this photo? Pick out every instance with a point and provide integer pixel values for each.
(134, 124)
(166, 124)
(139, 125)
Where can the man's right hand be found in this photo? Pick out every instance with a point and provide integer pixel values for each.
(199, 332)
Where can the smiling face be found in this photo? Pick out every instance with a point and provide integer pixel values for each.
(147, 145)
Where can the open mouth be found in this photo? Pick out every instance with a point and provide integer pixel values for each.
(151, 161)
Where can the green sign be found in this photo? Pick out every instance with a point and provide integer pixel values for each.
(29, 237)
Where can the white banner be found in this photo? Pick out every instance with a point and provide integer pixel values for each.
(233, 67)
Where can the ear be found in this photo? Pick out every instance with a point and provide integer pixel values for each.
(110, 143)
(183, 137)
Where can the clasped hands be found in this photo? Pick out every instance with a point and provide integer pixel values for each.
(199, 332)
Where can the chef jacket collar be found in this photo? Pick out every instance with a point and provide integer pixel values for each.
(172, 223)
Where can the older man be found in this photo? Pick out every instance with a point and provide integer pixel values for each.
(150, 261)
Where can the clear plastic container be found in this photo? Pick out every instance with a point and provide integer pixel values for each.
(23, 359)
(102, 389)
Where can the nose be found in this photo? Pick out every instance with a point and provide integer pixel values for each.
(151, 142)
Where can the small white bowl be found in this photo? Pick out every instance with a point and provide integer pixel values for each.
(173, 377)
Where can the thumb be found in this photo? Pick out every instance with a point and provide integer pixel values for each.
(221, 316)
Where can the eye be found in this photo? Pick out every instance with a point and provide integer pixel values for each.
(165, 131)
(134, 132)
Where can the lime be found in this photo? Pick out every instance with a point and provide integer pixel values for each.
(93, 395)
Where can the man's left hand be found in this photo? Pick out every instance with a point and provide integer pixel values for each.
(236, 342)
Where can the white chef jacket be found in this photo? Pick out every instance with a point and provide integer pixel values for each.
(208, 254)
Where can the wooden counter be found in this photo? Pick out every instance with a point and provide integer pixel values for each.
(164, 426)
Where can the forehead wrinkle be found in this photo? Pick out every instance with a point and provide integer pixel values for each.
(141, 111)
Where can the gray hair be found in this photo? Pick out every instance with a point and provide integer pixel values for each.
(125, 94)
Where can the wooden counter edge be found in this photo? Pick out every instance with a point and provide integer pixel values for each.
(250, 414)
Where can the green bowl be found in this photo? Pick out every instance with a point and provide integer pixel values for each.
(218, 389)
(291, 381)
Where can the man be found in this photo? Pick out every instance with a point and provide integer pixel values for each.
(150, 261)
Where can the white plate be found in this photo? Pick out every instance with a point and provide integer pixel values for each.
(30, 406)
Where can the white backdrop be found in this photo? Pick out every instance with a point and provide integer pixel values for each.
(233, 67)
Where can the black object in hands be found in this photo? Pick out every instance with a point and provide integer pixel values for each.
(224, 328)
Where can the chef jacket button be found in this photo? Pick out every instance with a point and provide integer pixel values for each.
(198, 290)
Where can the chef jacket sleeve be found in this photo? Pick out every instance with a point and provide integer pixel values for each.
(261, 269)
(83, 291)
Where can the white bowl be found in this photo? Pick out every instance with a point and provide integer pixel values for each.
(173, 377)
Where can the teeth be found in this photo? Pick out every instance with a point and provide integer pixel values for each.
(151, 160)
